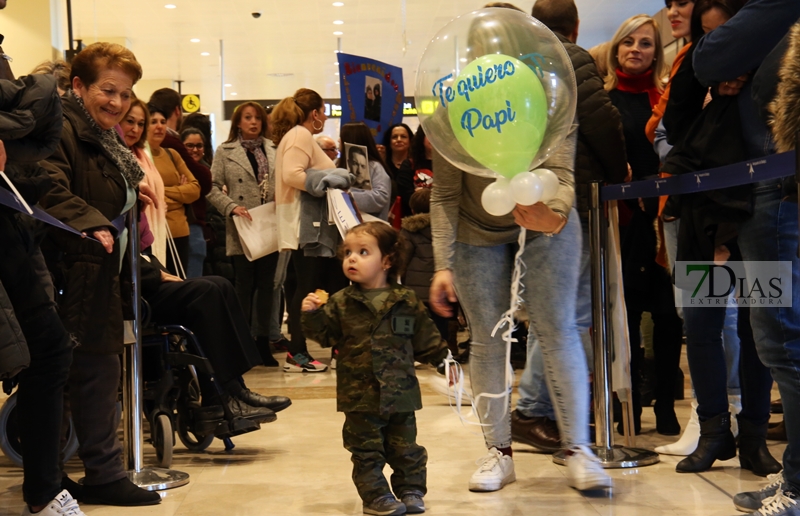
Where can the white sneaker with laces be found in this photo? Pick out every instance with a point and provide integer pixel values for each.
(62, 505)
(495, 471)
(584, 471)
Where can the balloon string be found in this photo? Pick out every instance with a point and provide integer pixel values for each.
(517, 288)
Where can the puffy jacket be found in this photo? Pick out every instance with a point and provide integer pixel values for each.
(88, 193)
(377, 349)
(419, 254)
(600, 153)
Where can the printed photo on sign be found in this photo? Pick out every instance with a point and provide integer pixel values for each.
(357, 161)
(372, 99)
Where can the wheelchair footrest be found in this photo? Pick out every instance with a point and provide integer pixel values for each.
(234, 427)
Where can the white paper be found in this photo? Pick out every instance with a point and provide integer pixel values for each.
(619, 341)
(259, 237)
(344, 210)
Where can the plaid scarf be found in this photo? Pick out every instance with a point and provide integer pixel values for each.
(264, 181)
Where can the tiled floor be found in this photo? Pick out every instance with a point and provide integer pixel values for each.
(297, 466)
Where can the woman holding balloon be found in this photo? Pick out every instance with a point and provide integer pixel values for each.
(635, 82)
(476, 236)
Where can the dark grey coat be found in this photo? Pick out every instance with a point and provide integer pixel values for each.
(419, 254)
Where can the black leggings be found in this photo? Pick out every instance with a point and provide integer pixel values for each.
(312, 273)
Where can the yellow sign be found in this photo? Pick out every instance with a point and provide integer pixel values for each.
(190, 103)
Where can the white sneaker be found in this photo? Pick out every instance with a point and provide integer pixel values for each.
(62, 505)
(495, 471)
(584, 471)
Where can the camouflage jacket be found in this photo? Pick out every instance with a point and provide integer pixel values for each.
(377, 349)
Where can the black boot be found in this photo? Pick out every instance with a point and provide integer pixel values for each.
(262, 344)
(666, 420)
(753, 452)
(716, 443)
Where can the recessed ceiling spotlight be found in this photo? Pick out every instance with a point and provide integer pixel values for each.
(338, 33)
(170, 6)
(194, 40)
(338, 22)
(338, 4)
(234, 93)
(204, 54)
(337, 82)
(336, 63)
(228, 85)
(337, 73)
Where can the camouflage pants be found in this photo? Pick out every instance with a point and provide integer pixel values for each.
(376, 440)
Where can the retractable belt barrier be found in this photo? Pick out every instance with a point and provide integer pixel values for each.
(767, 168)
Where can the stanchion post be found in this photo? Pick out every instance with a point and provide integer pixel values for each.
(152, 479)
(609, 454)
(797, 180)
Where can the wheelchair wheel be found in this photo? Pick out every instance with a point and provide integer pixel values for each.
(9, 434)
(163, 440)
(193, 442)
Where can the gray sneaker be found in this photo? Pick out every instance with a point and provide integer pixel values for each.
(386, 505)
(751, 501)
(413, 502)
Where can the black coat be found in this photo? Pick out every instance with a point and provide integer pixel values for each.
(705, 138)
(88, 193)
(600, 152)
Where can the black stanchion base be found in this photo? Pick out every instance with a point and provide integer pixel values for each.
(158, 479)
(616, 457)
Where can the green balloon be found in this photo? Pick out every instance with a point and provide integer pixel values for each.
(499, 113)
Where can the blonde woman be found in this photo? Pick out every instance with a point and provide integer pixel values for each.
(295, 121)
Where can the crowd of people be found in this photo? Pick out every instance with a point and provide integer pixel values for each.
(93, 153)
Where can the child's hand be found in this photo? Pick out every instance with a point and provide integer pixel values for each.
(453, 374)
(310, 303)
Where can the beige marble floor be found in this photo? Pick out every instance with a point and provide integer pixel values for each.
(297, 466)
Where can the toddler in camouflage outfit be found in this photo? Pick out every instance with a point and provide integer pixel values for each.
(380, 328)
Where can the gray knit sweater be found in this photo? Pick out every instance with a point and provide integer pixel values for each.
(457, 214)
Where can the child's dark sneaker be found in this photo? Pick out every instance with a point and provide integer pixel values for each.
(302, 363)
(386, 505)
(413, 502)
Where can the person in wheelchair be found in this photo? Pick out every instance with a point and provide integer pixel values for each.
(209, 307)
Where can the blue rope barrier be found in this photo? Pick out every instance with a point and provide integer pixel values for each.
(770, 167)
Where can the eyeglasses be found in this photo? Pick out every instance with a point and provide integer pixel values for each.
(197, 146)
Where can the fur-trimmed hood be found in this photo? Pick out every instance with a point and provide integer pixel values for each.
(416, 223)
(785, 108)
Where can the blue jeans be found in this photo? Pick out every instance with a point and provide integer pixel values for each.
(197, 252)
(534, 400)
(771, 234)
(482, 278)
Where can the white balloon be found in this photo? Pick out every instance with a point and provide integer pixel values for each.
(526, 188)
(496, 198)
(549, 183)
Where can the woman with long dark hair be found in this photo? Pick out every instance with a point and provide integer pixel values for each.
(397, 143)
(375, 199)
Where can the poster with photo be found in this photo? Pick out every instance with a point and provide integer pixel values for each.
(372, 92)
(356, 159)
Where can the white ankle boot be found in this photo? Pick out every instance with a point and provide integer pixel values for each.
(734, 407)
(687, 444)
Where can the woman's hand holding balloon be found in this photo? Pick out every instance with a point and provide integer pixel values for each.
(538, 217)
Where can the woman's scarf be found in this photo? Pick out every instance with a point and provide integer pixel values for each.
(256, 146)
(642, 83)
(110, 140)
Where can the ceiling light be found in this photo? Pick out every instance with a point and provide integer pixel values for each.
(204, 54)
(338, 22)
(194, 40)
(338, 4)
(337, 82)
(234, 93)
(336, 63)
(170, 6)
(228, 85)
(338, 33)
(337, 73)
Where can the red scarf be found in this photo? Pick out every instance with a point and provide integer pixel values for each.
(642, 83)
